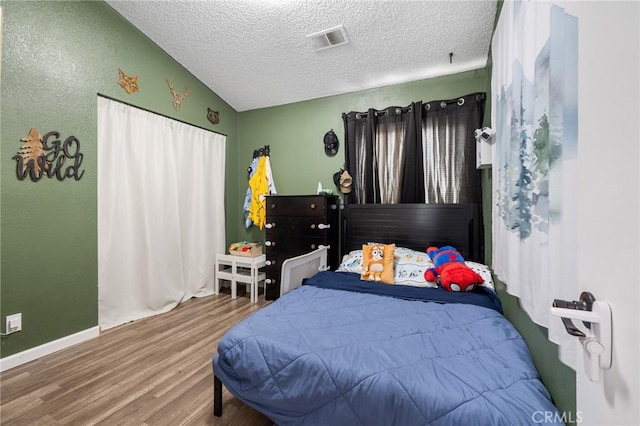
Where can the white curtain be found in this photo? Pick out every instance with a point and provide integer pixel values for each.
(160, 212)
(535, 165)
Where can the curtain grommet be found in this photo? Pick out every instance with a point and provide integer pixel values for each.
(461, 101)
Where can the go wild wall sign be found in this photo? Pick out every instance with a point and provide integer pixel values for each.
(47, 156)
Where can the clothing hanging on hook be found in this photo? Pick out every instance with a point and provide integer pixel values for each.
(261, 151)
(261, 184)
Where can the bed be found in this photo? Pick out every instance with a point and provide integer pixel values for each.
(339, 350)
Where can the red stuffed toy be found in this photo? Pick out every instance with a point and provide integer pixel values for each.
(455, 275)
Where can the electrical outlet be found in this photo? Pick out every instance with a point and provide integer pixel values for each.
(14, 323)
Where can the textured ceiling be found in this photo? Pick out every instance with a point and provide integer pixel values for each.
(255, 54)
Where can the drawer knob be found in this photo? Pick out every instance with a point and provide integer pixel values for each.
(313, 205)
(313, 246)
(324, 226)
(270, 225)
(270, 262)
(269, 243)
(269, 281)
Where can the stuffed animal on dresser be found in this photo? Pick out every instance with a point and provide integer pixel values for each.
(454, 274)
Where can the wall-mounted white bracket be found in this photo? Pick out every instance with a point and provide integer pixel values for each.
(484, 147)
(594, 330)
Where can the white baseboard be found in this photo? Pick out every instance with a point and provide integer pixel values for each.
(32, 354)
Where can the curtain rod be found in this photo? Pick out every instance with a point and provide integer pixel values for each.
(157, 113)
(426, 105)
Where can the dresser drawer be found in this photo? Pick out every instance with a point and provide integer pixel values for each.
(274, 261)
(294, 246)
(272, 285)
(294, 226)
(299, 205)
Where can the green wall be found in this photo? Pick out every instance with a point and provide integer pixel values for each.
(56, 57)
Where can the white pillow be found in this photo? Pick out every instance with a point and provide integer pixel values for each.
(483, 271)
(351, 262)
(408, 266)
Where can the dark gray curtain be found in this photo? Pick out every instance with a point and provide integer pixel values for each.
(422, 153)
(383, 154)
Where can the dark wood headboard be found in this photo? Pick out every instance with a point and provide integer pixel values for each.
(415, 226)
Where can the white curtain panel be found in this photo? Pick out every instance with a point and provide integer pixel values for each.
(535, 165)
(160, 212)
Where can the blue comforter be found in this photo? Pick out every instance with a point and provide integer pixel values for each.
(320, 356)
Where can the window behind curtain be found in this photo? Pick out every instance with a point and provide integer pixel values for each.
(422, 153)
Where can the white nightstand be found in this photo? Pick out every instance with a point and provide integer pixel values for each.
(239, 269)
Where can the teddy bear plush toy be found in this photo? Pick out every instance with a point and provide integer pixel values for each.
(454, 274)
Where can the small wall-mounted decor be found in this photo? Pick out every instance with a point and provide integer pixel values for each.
(177, 96)
(128, 82)
(331, 143)
(39, 157)
(30, 156)
(213, 116)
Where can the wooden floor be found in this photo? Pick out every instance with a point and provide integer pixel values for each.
(155, 371)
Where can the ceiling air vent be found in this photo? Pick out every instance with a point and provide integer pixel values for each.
(329, 38)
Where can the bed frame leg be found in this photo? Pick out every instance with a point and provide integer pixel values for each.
(217, 396)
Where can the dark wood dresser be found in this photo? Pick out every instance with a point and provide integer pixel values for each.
(298, 224)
